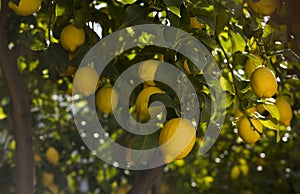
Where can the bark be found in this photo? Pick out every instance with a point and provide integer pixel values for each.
(147, 180)
(20, 113)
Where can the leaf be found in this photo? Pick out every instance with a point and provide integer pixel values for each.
(226, 85)
(222, 20)
(238, 42)
(273, 110)
(164, 98)
(269, 123)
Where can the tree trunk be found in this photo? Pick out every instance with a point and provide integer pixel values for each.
(21, 115)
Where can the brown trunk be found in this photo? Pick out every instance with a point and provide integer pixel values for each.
(20, 113)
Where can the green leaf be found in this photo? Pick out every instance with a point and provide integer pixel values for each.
(222, 20)
(164, 98)
(238, 42)
(269, 123)
(273, 110)
(226, 85)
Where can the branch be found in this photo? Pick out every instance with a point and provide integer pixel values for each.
(21, 115)
(148, 178)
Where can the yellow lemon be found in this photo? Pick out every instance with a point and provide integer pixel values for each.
(69, 71)
(106, 99)
(86, 80)
(264, 7)
(263, 82)
(142, 103)
(47, 178)
(194, 23)
(25, 7)
(37, 158)
(72, 37)
(250, 66)
(235, 172)
(177, 139)
(53, 189)
(244, 169)
(147, 70)
(247, 132)
(285, 111)
(52, 155)
(187, 69)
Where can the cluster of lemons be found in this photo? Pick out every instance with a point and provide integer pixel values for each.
(264, 85)
(48, 178)
(239, 169)
(178, 135)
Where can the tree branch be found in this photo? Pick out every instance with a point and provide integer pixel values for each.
(21, 114)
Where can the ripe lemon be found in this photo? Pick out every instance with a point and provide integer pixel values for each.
(142, 103)
(177, 139)
(264, 7)
(194, 23)
(106, 99)
(47, 178)
(52, 155)
(147, 70)
(86, 80)
(72, 37)
(235, 172)
(247, 133)
(69, 71)
(244, 169)
(25, 7)
(285, 111)
(263, 82)
(251, 65)
(187, 69)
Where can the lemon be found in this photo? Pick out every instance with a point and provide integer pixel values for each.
(194, 23)
(285, 111)
(53, 189)
(69, 71)
(25, 7)
(37, 158)
(47, 178)
(142, 103)
(106, 99)
(177, 139)
(263, 82)
(147, 70)
(250, 66)
(235, 172)
(264, 7)
(244, 169)
(247, 132)
(187, 69)
(86, 80)
(52, 155)
(72, 37)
